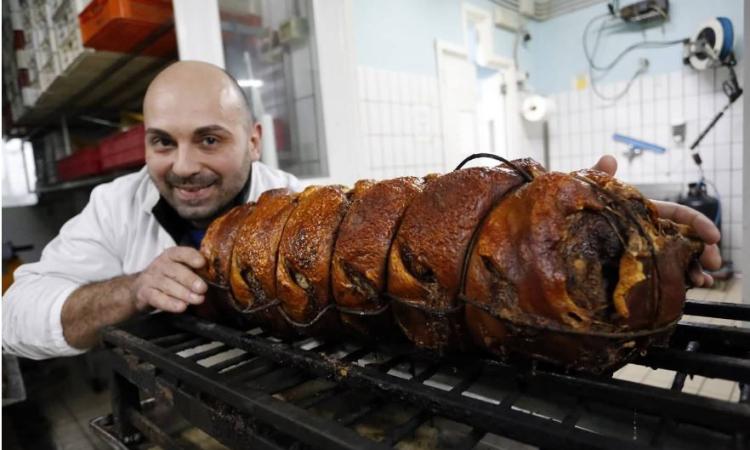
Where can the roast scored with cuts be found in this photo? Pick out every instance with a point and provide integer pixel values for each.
(573, 269)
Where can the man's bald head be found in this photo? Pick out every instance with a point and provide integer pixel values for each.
(200, 75)
(200, 138)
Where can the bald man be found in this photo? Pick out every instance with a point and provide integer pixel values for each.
(133, 248)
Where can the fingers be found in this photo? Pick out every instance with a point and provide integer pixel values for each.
(711, 258)
(185, 277)
(699, 278)
(702, 225)
(164, 302)
(179, 291)
(186, 255)
(608, 164)
(170, 283)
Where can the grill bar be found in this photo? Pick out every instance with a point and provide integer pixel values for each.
(285, 417)
(712, 366)
(719, 310)
(225, 424)
(718, 338)
(278, 390)
(514, 424)
(700, 411)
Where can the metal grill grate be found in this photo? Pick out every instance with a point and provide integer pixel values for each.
(249, 390)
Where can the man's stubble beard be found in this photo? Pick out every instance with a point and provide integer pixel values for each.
(202, 219)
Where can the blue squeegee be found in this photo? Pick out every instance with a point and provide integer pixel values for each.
(636, 146)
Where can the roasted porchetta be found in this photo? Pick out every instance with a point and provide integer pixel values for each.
(572, 269)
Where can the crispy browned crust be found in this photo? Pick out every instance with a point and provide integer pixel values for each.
(358, 273)
(216, 247)
(303, 266)
(562, 270)
(427, 256)
(253, 268)
(575, 269)
(253, 271)
(218, 241)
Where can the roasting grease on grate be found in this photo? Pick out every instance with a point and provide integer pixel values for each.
(509, 259)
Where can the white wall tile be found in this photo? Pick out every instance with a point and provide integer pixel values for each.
(403, 88)
(621, 117)
(565, 123)
(362, 82)
(565, 103)
(736, 257)
(673, 89)
(585, 118)
(723, 181)
(722, 156)
(735, 232)
(370, 83)
(647, 89)
(377, 115)
(706, 108)
(397, 119)
(737, 127)
(737, 156)
(574, 100)
(706, 81)
(648, 112)
(364, 117)
(689, 83)
(610, 119)
(737, 182)
(661, 112)
(735, 206)
(634, 94)
(676, 110)
(722, 131)
(690, 108)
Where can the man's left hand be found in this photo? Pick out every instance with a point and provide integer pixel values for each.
(710, 258)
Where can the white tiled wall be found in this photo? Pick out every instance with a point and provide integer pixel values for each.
(399, 123)
(582, 127)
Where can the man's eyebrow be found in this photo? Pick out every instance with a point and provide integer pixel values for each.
(156, 131)
(210, 129)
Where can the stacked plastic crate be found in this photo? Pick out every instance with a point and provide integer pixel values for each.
(63, 15)
(46, 39)
(13, 103)
(22, 86)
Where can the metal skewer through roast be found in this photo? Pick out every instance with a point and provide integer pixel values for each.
(573, 269)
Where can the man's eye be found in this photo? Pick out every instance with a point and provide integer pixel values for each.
(210, 140)
(161, 142)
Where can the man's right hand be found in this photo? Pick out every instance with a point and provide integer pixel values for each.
(169, 283)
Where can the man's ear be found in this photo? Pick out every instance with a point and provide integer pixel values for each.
(256, 133)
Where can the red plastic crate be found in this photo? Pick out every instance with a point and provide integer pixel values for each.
(120, 25)
(122, 150)
(19, 39)
(83, 163)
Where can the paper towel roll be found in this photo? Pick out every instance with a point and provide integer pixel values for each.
(536, 108)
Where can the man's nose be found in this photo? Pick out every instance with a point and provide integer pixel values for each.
(186, 163)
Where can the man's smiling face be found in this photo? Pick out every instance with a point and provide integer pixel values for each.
(200, 140)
